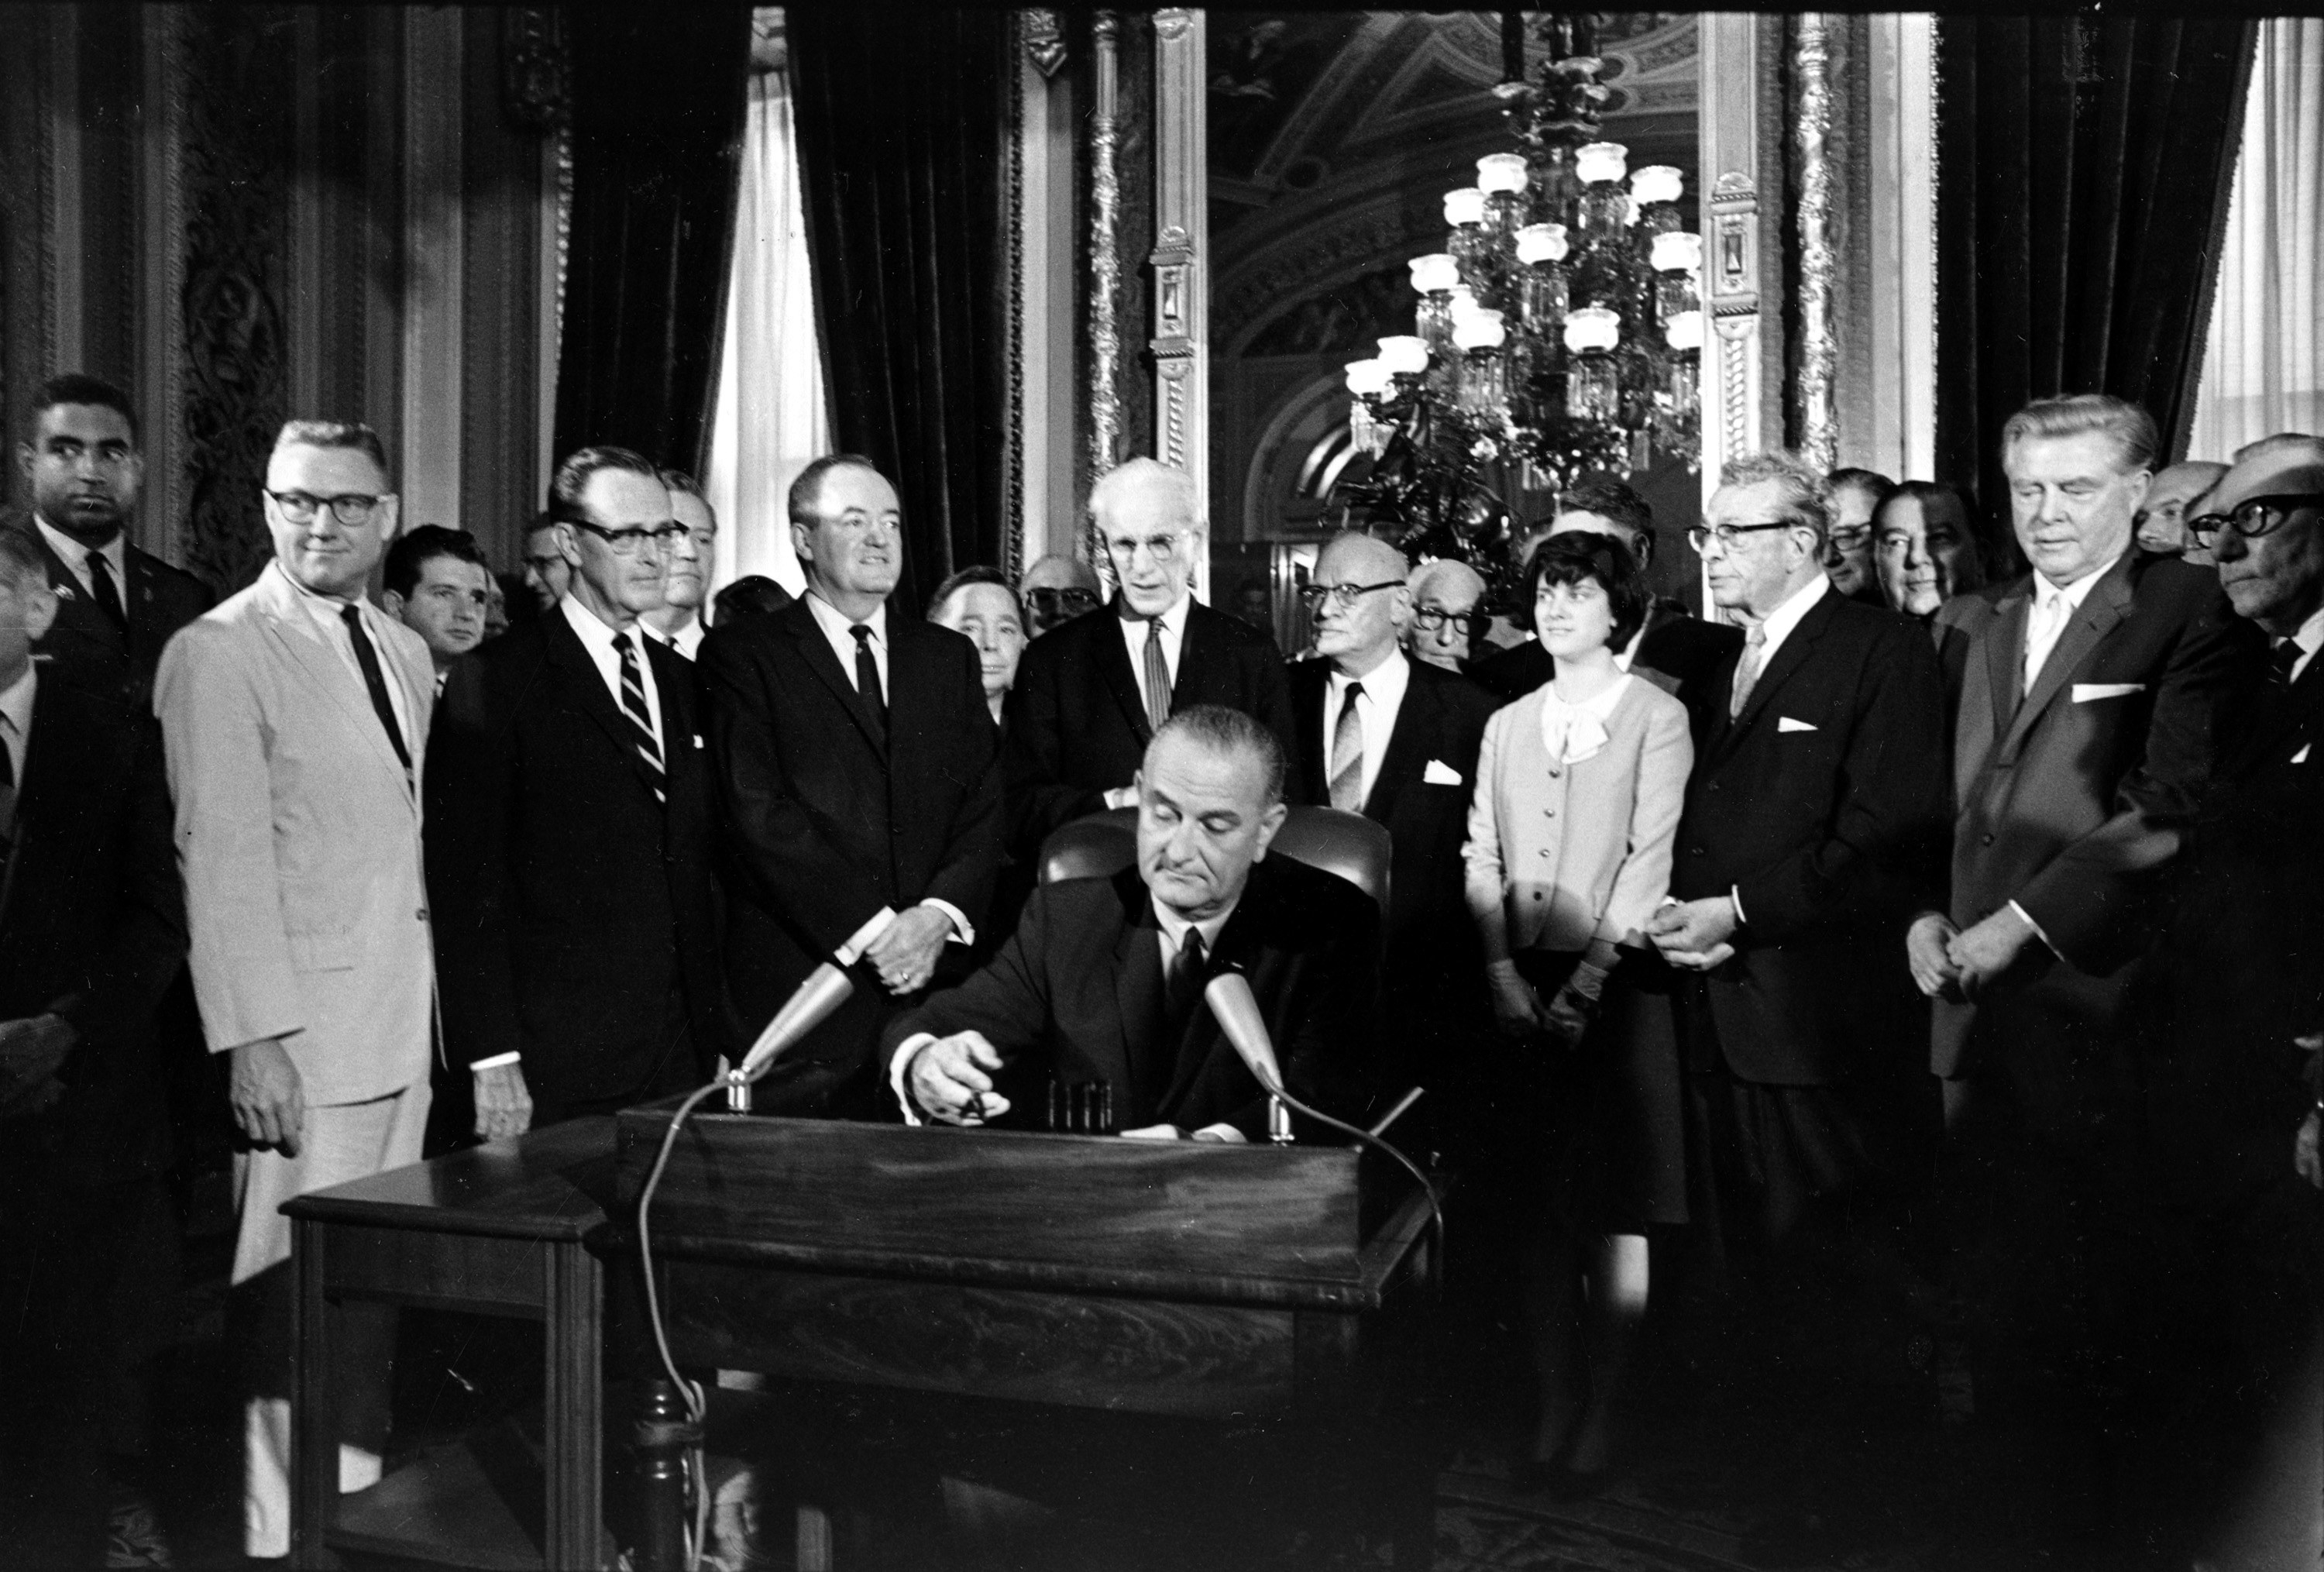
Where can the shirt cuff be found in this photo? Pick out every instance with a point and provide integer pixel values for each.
(848, 954)
(902, 1061)
(497, 1061)
(2027, 918)
(963, 931)
(1226, 1132)
(1735, 898)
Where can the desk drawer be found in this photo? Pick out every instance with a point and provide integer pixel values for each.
(448, 1271)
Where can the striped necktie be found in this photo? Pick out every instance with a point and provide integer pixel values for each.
(1348, 755)
(1158, 677)
(633, 706)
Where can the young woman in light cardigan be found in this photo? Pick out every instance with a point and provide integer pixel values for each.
(1577, 803)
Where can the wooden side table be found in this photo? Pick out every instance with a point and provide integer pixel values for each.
(504, 1229)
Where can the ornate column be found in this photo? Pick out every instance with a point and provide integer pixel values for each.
(1900, 342)
(1732, 390)
(1105, 265)
(1180, 342)
(1819, 354)
(1045, 512)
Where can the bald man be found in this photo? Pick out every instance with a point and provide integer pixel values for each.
(1057, 589)
(1444, 599)
(1397, 741)
(2161, 518)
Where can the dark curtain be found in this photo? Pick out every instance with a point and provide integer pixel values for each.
(2083, 171)
(658, 95)
(900, 125)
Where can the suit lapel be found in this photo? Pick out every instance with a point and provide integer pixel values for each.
(55, 756)
(2004, 667)
(1113, 665)
(1408, 743)
(1311, 686)
(816, 650)
(2108, 603)
(295, 633)
(1137, 978)
(587, 684)
(1789, 657)
(1194, 654)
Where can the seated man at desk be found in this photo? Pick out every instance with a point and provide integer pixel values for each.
(1102, 981)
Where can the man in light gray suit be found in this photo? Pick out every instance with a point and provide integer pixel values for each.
(295, 720)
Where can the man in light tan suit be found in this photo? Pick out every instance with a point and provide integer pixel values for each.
(295, 718)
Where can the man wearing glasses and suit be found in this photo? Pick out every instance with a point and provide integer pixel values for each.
(1091, 693)
(295, 722)
(569, 832)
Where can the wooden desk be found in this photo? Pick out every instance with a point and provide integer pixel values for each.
(1239, 1285)
(501, 1230)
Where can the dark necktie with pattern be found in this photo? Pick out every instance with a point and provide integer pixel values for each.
(2281, 661)
(1158, 677)
(640, 718)
(1182, 991)
(867, 677)
(375, 680)
(1348, 755)
(104, 592)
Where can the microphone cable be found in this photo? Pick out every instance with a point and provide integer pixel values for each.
(1365, 1137)
(697, 1405)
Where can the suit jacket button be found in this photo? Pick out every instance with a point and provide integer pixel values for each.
(1695, 850)
(1985, 840)
(421, 914)
(1714, 785)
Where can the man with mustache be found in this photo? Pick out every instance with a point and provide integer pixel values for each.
(859, 798)
(116, 605)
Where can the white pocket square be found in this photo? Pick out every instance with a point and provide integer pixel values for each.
(1787, 723)
(1440, 773)
(2301, 756)
(2086, 692)
(697, 739)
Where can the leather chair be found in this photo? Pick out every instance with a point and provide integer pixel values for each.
(1348, 845)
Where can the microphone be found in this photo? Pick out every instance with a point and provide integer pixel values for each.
(1236, 1008)
(825, 989)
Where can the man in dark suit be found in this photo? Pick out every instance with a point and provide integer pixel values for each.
(1397, 740)
(2234, 984)
(92, 930)
(116, 605)
(568, 833)
(1673, 647)
(859, 790)
(1811, 816)
(1091, 694)
(2084, 735)
(1103, 979)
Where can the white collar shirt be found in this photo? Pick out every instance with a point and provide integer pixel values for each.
(1176, 927)
(2309, 638)
(1384, 688)
(840, 634)
(1786, 617)
(75, 557)
(16, 719)
(1134, 635)
(597, 639)
(688, 639)
(2055, 607)
(328, 612)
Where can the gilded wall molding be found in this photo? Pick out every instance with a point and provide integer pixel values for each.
(1012, 363)
(1043, 36)
(1104, 260)
(160, 206)
(1819, 350)
(1733, 267)
(1180, 341)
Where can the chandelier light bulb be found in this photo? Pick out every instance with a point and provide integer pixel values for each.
(1541, 242)
(1501, 171)
(1435, 273)
(1684, 331)
(1404, 354)
(1658, 182)
(1464, 303)
(1465, 206)
(1479, 331)
(1677, 251)
(1598, 162)
(1591, 327)
(1367, 378)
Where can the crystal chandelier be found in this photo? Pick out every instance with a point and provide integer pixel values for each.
(1557, 334)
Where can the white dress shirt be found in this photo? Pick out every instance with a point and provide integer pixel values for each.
(688, 639)
(16, 719)
(597, 638)
(75, 556)
(2309, 638)
(326, 611)
(1174, 636)
(1786, 617)
(1384, 688)
(2054, 607)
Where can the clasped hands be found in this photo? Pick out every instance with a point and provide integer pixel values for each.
(1956, 964)
(1695, 936)
(905, 954)
(1520, 1010)
(31, 1051)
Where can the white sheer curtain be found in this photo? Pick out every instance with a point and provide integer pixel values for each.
(770, 417)
(2263, 361)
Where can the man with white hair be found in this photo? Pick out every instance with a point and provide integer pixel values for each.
(1091, 694)
(1445, 596)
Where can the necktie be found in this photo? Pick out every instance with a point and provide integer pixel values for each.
(1157, 678)
(1746, 670)
(1348, 755)
(2042, 634)
(104, 592)
(867, 677)
(1184, 986)
(368, 659)
(640, 719)
(2281, 661)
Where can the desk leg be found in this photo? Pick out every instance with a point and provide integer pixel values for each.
(574, 1348)
(314, 1418)
(664, 1431)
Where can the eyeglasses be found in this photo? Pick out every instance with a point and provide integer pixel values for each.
(350, 508)
(1702, 535)
(1046, 601)
(2253, 517)
(629, 543)
(1850, 538)
(1431, 618)
(1341, 595)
